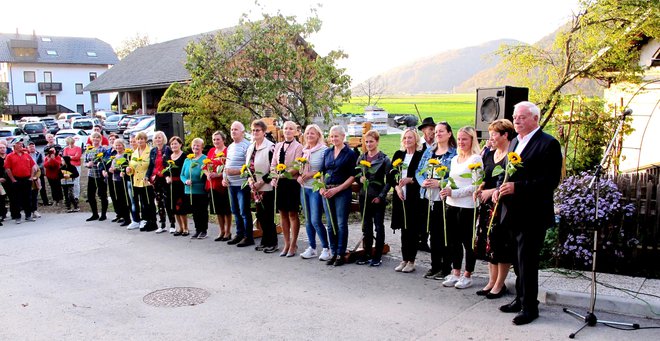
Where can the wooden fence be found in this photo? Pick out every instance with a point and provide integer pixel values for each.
(642, 190)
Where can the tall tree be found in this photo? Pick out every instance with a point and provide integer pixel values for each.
(3, 98)
(372, 90)
(599, 43)
(267, 65)
(131, 44)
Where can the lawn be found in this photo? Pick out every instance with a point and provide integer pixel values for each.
(457, 109)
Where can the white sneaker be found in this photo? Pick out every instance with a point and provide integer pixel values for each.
(172, 230)
(410, 267)
(400, 266)
(309, 253)
(133, 226)
(450, 281)
(143, 223)
(326, 254)
(161, 230)
(463, 282)
(36, 214)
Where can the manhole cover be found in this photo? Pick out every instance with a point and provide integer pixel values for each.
(176, 297)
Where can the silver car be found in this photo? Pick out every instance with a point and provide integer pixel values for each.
(111, 124)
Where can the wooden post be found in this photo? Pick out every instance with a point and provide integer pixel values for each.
(366, 126)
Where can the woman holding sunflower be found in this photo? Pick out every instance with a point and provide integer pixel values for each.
(96, 185)
(288, 205)
(435, 159)
(143, 191)
(376, 165)
(158, 157)
(122, 201)
(219, 194)
(460, 207)
(194, 180)
(178, 201)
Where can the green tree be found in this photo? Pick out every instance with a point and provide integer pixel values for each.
(203, 115)
(131, 44)
(267, 65)
(3, 98)
(599, 44)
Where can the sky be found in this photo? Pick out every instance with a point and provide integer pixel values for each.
(377, 35)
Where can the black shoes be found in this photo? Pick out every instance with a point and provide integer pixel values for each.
(235, 241)
(102, 217)
(259, 247)
(332, 260)
(492, 296)
(244, 242)
(525, 317)
(431, 274)
(125, 223)
(271, 249)
(362, 261)
(194, 236)
(92, 218)
(340, 261)
(115, 220)
(513, 307)
(483, 292)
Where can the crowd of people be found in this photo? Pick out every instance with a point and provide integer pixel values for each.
(446, 189)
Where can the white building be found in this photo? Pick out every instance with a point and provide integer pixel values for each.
(640, 149)
(46, 74)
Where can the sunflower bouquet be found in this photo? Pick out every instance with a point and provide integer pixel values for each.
(476, 173)
(121, 163)
(299, 164)
(365, 168)
(193, 164)
(514, 161)
(398, 167)
(248, 174)
(278, 173)
(319, 183)
(170, 165)
(435, 170)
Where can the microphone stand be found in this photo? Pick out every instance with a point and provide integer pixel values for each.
(590, 318)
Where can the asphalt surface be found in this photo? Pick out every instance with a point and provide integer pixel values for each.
(64, 279)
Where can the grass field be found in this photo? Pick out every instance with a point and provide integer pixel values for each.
(457, 109)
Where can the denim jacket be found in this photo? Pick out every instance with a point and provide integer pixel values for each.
(445, 160)
(381, 166)
(152, 159)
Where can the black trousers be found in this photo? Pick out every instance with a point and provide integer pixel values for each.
(69, 198)
(162, 191)
(97, 186)
(56, 189)
(374, 217)
(266, 218)
(120, 199)
(459, 232)
(200, 211)
(42, 191)
(440, 256)
(21, 197)
(144, 206)
(529, 240)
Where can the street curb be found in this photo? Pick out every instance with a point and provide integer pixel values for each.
(606, 303)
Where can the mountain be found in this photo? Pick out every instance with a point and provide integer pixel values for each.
(443, 72)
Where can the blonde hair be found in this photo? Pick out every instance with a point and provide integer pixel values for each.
(141, 135)
(474, 148)
(197, 140)
(162, 134)
(95, 134)
(373, 134)
(290, 123)
(317, 129)
(418, 139)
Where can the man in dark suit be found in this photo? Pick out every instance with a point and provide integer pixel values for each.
(428, 138)
(527, 205)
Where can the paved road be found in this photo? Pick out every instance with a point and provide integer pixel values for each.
(63, 279)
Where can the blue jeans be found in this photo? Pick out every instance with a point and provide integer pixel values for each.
(313, 209)
(240, 207)
(339, 208)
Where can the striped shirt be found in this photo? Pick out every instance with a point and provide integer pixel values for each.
(236, 153)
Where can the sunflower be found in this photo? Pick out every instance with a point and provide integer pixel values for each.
(301, 159)
(474, 166)
(90, 148)
(514, 158)
(207, 161)
(99, 154)
(434, 162)
(170, 162)
(365, 163)
(112, 157)
(243, 169)
(128, 151)
(280, 167)
(219, 155)
(396, 162)
(441, 169)
(190, 156)
(317, 175)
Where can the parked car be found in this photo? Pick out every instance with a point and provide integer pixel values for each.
(147, 125)
(104, 114)
(79, 136)
(64, 119)
(130, 121)
(95, 121)
(13, 134)
(37, 132)
(111, 124)
(26, 119)
(86, 124)
(51, 124)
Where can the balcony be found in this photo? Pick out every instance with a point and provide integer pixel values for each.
(50, 87)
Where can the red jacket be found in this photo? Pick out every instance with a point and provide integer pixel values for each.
(52, 167)
(217, 182)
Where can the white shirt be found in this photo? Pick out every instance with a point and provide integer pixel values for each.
(462, 196)
(522, 142)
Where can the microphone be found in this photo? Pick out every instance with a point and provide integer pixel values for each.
(626, 112)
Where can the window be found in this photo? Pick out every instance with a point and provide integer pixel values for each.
(95, 98)
(91, 54)
(80, 108)
(51, 52)
(79, 88)
(30, 98)
(29, 76)
(92, 76)
(48, 77)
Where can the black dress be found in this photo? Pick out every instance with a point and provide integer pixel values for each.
(498, 247)
(179, 198)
